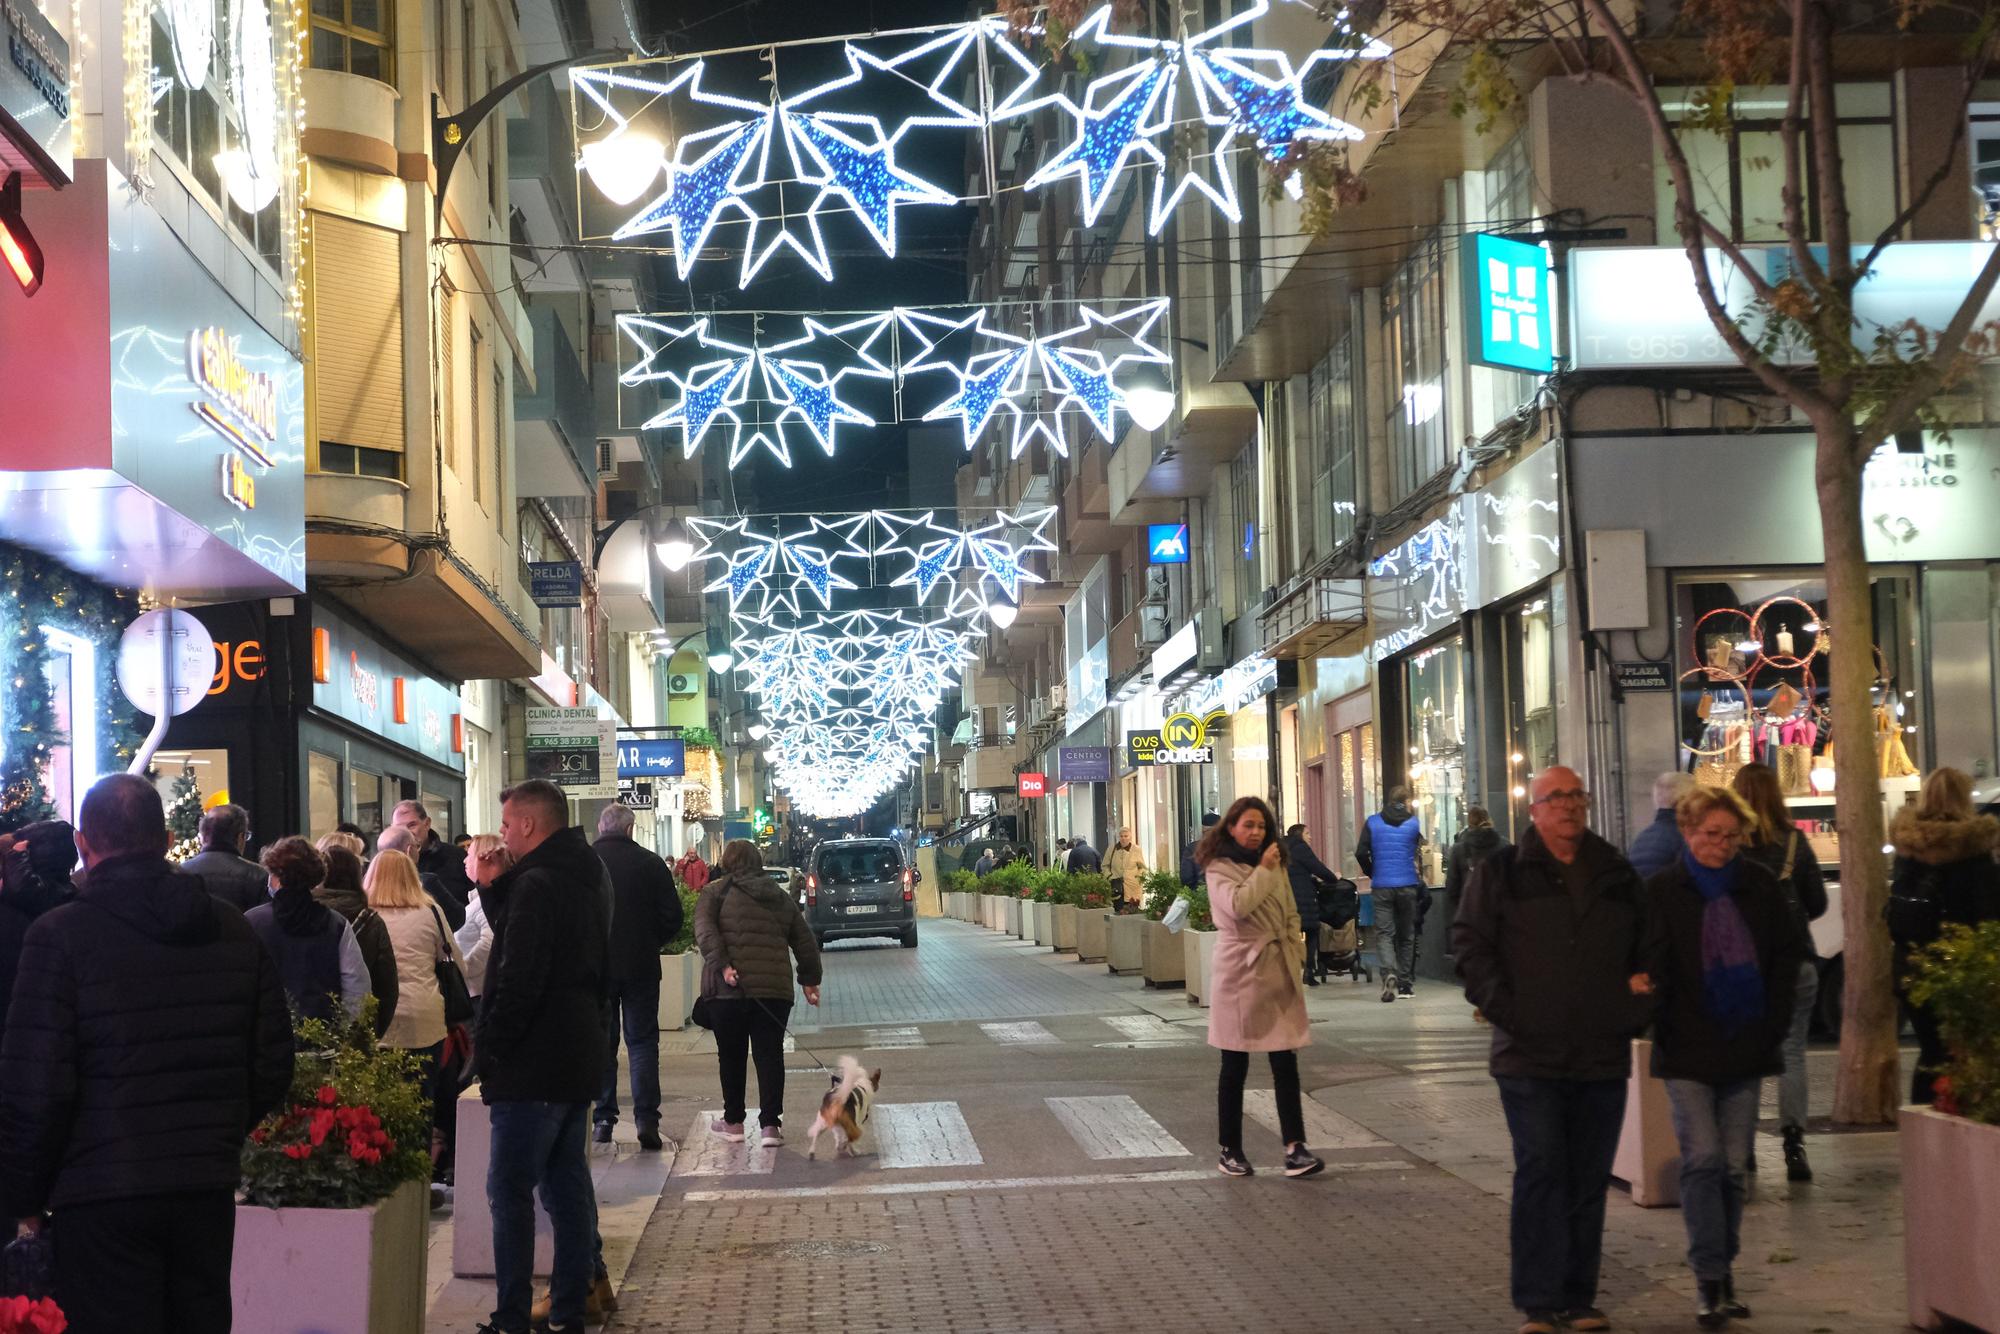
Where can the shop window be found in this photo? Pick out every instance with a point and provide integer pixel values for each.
(193, 127)
(1434, 700)
(1333, 426)
(365, 801)
(322, 793)
(1984, 138)
(353, 37)
(1413, 342)
(1355, 795)
(1739, 173)
(1531, 701)
(1243, 504)
(1754, 662)
(71, 667)
(360, 461)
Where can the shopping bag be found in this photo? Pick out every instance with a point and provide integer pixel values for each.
(1177, 913)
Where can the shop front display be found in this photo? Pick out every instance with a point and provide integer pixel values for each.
(1433, 682)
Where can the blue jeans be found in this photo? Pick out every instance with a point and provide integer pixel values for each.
(637, 1005)
(1565, 1134)
(1793, 1103)
(1714, 1123)
(540, 1147)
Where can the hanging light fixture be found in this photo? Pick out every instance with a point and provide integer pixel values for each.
(624, 164)
(1003, 613)
(675, 549)
(1150, 406)
(720, 661)
(758, 731)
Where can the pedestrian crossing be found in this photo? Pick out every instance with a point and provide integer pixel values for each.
(1444, 1051)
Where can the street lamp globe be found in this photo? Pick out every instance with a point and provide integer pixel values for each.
(1149, 406)
(720, 660)
(1003, 613)
(623, 165)
(758, 731)
(674, 553)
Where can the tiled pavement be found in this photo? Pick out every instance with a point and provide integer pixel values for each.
(1066, 1182)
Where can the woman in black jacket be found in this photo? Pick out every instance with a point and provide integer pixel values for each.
(1479, 841)
(1944, 874)
(1722, 954)
(35, 865)
(342, 892)
(1777, 845)
(318, 960)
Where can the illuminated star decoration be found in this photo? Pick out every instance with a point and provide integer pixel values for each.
(703, 400)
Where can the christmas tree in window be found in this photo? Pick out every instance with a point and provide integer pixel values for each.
(184, 816)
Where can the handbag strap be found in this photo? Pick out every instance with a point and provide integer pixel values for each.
(444, 937)
(1791, 856)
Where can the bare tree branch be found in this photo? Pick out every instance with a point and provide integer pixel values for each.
(1829, 172)
(1793, 131)
(1947, 162)
(1935, 370)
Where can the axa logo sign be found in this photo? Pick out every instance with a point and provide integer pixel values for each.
(1166, 544)
(1509, 281)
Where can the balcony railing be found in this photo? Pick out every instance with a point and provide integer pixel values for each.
(1318, 616)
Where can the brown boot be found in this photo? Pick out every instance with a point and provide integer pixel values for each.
(598, 1303)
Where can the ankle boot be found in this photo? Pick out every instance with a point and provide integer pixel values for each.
(1732, 1305)
(1708, 1311)
(1796, 1166)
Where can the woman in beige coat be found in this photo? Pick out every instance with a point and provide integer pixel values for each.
(1259, 999)
(1126, 866)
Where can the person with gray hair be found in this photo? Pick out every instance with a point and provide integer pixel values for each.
(398, 838)
(224, 871)
(645, 915)
(1660, 844)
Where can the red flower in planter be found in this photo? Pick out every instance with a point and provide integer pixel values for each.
(1942, 1096)
(18, 1315)
(328, 1095)
(298, 1152)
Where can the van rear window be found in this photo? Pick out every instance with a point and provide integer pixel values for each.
(859, 866)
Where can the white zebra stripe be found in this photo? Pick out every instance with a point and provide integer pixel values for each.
(1115, 1126)
(922, 1134)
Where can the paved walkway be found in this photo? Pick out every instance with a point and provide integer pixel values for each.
(1042, 1159)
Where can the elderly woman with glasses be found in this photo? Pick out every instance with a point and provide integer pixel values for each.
(1722, 953)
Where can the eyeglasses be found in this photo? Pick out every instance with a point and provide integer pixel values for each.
(1719, 835)
(1575, 796)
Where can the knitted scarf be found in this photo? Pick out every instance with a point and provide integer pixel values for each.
(1732, 985)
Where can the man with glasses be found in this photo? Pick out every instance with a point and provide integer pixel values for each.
(1548, 942)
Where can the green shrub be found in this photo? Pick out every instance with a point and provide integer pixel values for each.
(1091, 889)
(1958, 979)
(1010, 879)
(683, 942)
(1161, 889)
(961, 882)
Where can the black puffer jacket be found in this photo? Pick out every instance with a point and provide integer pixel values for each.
(371, 933)
(1554, 981)
(20, 905)
(148, 1035)
(1473, 847)
(541, 1022)
(747, 923)
(646, 908)
(1309, 876)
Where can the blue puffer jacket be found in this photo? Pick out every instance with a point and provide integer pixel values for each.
(1387, 849)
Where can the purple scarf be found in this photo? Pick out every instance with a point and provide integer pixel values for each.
(1732, 985)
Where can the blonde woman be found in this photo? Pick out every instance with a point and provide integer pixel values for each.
(1126, 866)
(418, 932)
(347, 842)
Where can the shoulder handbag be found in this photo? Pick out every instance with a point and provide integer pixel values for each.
(451, 978)
(1915, 918)
(703, 1013)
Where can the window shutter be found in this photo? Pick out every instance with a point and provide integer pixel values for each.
(358, 301)
(447, 386)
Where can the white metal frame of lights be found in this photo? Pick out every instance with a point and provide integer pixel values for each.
(787, 391)
(734, 152)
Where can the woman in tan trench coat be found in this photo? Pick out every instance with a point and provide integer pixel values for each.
(1259, 997)
(1126, 866)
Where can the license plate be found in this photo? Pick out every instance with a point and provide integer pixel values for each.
(861, 908)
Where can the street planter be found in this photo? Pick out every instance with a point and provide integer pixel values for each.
(1198, 958)
(1163, 959)
(1951, 1219)
(333, 1271)
(1649, 1155)
(1045, 929)
(1010, 921)
(954, 905)
(1062, 925)
(990, 908)
(680, 980)
(1093, 934)
(1127, 941)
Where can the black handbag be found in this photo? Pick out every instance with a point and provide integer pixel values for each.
(28, 1266)
(451, 980)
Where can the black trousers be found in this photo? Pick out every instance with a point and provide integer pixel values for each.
(1229, 1098)
(741, 1028)
(158, 1264)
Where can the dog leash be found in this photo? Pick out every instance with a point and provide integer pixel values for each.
(824, 1067)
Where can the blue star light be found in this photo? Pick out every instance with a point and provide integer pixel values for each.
(697, 195)
(1001, 565)
(702, 401)
(1106, 139)
(815, 568)
(815, 403)
(980, 394)
(1275, 112)
(939, 559)
(1092, 389)
(867, 178)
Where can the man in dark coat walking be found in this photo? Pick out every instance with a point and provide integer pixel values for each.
(1191, 875)
(645, 915)
(147, 1037)
(1309, 876)
(221, 865)
(1082, 858)
(540, 1051)
(1550, 938)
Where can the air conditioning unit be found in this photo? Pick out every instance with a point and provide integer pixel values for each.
(683, 683)
(607, 463)
(1058, 698)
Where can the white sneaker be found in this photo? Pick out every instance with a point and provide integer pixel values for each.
(771, 1138)
(731, 1131)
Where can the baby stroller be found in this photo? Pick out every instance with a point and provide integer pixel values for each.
(1339, 933)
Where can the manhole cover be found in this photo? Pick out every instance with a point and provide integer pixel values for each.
(806, 1250)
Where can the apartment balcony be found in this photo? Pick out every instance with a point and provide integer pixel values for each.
(1086, 502)
(1211, 424)
(1317, 616)
(541, 187)
(351, 120)
(555, 419)
(990, 762)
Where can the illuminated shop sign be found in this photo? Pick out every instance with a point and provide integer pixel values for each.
(1511, 320)
(239, 402)
(35, 92)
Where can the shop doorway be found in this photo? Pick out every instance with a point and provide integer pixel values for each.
(1355, 780)
(1313, 804)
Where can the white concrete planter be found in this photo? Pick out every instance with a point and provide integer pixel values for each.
(1062, 923)
(1045, 924)
(471, 1218)
(1649, 1157)
(988, 906)
(957, 900)
(1127, 941)
(1951, 1219)
(1163, 959)
(1198, 958)
(996, 912)
(333, 1271)
(1012, 924)
(680, 981)
(1093, 934)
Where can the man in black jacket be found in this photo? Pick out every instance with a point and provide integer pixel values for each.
(1082, 858)
(1309, 876)
(434, 856)
(645, 914)
(398, 838)
(1550, 942)
(220, 863)
(540, 1051)
(148, 1035)
(1191, 875)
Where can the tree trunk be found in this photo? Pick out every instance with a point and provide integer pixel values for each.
(1867, 1088)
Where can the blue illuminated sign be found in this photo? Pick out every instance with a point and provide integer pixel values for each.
(1511, 319)
(655, 758)
(1166, 544)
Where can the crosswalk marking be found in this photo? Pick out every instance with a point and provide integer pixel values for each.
(922, 1134)
(706, 1154)
(1114, 1126)
(888, 1039)
(1028, 1034)
(1438, 1067)
(1151, 1028)
(1325, 1128)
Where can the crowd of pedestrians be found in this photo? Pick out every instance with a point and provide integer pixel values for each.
(147, 1011)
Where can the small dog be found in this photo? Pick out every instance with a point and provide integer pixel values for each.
(845, 1108)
